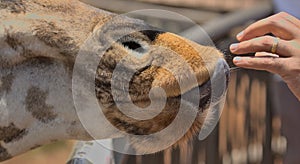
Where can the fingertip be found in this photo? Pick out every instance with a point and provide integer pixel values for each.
(240, 35)
(237, 59)
(233, 47)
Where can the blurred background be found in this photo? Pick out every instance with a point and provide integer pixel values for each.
(259, 121)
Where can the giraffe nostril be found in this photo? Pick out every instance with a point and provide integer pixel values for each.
(134, 46)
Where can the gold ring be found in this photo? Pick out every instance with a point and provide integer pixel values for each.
(275, 45)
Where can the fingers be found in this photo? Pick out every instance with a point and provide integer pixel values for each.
(285, 57)
(285, 46)
(262, 44)
(271, 64)
(281, 25)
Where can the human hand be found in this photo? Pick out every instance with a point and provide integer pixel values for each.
(279, 54)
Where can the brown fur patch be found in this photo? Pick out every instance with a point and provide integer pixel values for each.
(6, 83)
(53, 36)
(144, 127)
(99, 20)
(14, 6)
(72, 130)
(56, 5)
(4, 155)
(187, 51)
(12, 41)
(36, 104)
(11, 133)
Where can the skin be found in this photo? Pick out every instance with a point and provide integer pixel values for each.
(285, 62)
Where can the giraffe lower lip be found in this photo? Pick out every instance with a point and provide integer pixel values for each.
(199, 96)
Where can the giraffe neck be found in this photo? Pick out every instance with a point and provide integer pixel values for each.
(36, 55)
(36, 106)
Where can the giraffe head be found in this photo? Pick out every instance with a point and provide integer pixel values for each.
(147, 78)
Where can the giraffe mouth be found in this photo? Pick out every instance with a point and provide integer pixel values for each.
(199, 96)
(212, 91)
(198, 100)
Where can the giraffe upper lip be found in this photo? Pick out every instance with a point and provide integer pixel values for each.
(211, 91)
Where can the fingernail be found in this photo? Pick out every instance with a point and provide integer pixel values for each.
(239, 35)
(237, 58)
(234, 46)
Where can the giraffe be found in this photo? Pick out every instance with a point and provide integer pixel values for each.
(39, 44)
